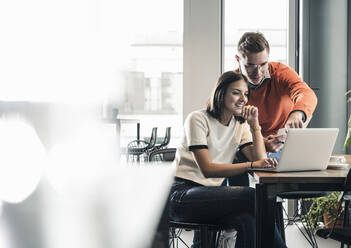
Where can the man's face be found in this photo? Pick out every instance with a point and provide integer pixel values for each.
(254, 66)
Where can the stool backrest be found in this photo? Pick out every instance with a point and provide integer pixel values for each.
(167, 138)
(153, 137)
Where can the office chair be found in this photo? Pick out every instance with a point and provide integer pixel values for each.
(137, 148)
(343, 234)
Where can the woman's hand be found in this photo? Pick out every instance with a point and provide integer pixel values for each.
(250, 114)
(265, 163)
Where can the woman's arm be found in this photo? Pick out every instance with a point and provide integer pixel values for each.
(210, 169)
(257, 150)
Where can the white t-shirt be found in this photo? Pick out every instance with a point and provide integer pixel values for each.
(203, 131)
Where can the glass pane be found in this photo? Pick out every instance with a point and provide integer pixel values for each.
(154, 72)
(269, 17)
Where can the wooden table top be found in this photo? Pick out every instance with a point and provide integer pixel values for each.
(329, 176)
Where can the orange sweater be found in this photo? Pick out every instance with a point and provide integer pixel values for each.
(279, 95)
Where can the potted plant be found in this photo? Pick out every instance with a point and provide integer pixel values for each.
(325, 210)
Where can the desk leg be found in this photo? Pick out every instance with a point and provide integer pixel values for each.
(118, 134)
(265, 217)
(138, 131)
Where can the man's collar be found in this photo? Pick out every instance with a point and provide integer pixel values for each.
(255, 87)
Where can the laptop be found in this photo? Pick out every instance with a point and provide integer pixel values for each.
(306, 149)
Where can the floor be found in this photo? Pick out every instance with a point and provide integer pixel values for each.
(293, 238)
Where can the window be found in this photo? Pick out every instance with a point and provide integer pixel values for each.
(127, 54)
(269, 17)
(154, 70)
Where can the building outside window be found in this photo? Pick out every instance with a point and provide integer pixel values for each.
(269, 17)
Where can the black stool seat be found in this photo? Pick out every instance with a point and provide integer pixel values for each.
(302, 194)
(341, 234)
(196, 226)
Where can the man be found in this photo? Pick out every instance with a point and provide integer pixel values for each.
(281, 96)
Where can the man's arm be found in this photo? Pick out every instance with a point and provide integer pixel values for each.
(303, 97)
(296, 119)
(274, 143)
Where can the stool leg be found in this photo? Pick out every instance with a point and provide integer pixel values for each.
(212, 239)
(346, 218)
(204, 237)
(280, 220)
(308, 227)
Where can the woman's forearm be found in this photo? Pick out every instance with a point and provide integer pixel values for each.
(210, 169)
(259, 151)
(214, 170)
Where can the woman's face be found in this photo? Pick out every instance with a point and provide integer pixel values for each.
(236, 97)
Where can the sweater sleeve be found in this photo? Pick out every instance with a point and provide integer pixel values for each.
(300, 93)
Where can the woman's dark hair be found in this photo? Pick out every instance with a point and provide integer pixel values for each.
(215, 103)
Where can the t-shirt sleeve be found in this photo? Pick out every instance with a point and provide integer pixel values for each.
(246, 136)
(196, 131)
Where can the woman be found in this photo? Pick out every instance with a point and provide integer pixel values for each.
(204, 160)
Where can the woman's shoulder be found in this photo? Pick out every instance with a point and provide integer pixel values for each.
(198, 118)
(198, 114)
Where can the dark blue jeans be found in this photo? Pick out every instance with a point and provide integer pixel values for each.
(231, 206)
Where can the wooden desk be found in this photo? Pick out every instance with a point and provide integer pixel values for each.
(271, 184)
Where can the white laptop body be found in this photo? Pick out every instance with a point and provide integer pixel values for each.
(306, 149)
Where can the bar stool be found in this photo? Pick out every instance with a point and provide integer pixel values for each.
(165, 141)
(300, 196)
(343, 234)
(137, 148)
(209, 233)
(166, 154)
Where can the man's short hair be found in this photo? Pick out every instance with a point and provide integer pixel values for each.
(252, 42)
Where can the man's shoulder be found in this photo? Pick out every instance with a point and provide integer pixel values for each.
(282, 71)
(278, 67)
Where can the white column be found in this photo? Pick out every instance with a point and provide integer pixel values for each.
(202, 51)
